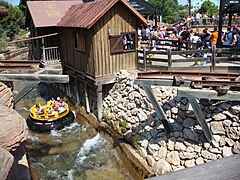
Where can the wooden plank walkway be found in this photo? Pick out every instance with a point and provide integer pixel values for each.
(221, 169)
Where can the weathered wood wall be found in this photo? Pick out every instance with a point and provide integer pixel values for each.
(81, 61)
(116, 21)
(97, 61)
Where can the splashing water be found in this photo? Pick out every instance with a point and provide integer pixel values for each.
(75, 152)
(87, 146)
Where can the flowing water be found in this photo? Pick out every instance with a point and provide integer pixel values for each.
(75, 152)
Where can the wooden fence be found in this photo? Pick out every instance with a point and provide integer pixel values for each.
(50, 53)
(165, 60)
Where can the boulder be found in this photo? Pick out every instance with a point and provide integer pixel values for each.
(6, 160)
(6, 96)
(13, 129)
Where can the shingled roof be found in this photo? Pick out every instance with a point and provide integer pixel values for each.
(48, 13)
(86, 14)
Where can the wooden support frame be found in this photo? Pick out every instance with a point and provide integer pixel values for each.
(99, 101)
(208, 94)
(160, 82)
(53, 78)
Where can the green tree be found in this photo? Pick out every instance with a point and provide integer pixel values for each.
(22, 6)
(208, 7)
(168, 8)
(13, 23)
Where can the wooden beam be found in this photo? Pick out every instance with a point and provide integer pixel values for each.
(201, 119)
(160, 82)
(208, 94)
(28, 88)
(224, 168)
(50, 78)
(160, 112)
(15, 67)
(33, 38)
(24, 62)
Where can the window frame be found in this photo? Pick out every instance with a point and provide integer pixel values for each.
(120, 39)
(80, 42)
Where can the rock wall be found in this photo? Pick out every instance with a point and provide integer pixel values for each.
(6, 97)
(129, 111)
(13, 131)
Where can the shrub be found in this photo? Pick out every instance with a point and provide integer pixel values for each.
(3, 45)
(123, 124)
(105, 114)
(135, 142)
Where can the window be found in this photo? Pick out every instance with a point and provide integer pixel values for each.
(80, 42)
(126, 42)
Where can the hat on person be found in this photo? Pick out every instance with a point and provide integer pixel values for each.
(235, 27)
(58, 98)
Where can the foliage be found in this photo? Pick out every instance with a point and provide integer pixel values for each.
(105, 114)
(22, 6)
(123, 124)
(3, 44)
(13, 23)
(135, 142)
(168, 8)
(208, 7)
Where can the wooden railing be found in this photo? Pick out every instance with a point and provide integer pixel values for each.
(213, 22)
(50, 53)
(164, 44)
(163, 60)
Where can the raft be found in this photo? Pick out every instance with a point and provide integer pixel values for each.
(46, 122)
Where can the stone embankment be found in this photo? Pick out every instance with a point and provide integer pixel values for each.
(13, 131)
(129, 111)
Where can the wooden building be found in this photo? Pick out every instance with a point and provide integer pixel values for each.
(41, 19)
(97, 40)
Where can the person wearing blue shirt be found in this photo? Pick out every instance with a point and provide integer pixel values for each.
(207, 41)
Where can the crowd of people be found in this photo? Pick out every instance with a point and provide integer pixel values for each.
(52, 106)
(212, 19)
(188, 38)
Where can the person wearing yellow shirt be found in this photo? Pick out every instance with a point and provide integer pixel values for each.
(214, 36)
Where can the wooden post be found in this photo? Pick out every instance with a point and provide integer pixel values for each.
(220, 23)
(68, 90)
(213, 58)
(76, 90)
(99, 101)
(145, 59)
(86, 98)
(169, 53)
(179, 44)
(230, 19)
(44, 53)
(189, 7)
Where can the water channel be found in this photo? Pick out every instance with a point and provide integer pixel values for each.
(76, 152)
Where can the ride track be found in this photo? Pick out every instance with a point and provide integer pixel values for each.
(194, 78)
(17, 64)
